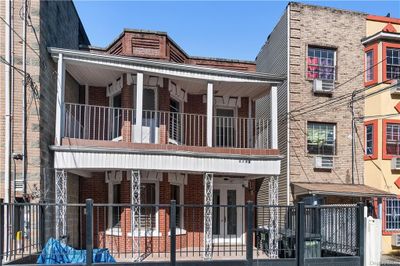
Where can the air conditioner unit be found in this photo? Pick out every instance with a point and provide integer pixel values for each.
(396, 240)
(395, 90)
(323, 162)
(323, 86)
(396, 163)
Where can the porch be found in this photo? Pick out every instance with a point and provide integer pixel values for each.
(113, 99)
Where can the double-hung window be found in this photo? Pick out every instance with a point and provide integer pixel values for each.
(149, 210)
(176, 195)
(392, 63)
(321, 138)
(321, 63)
(393, 139)
(392, 214)
(369, 66)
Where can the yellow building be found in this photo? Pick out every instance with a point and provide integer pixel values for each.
(382, 118)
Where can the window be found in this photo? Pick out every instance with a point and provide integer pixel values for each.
(393, 139)
(116, 211)
(225, 127)
(392, 214)
(176, 195)
(369, 63)
(371, 140)
(175, 121)
(392, 63)
(148, 213)
(321, 63)
(321, 138)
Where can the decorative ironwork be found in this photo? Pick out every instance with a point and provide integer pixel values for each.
(273, 221)
(208, 201)
(61, 201)
(135, 214)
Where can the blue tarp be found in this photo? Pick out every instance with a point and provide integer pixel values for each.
(56, 252)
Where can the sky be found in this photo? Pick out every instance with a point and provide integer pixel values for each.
(226, 29)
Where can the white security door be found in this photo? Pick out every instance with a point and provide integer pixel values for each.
(228, 226)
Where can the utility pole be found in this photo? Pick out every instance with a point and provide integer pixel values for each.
(353, 144)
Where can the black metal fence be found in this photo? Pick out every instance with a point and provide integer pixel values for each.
(174, 233)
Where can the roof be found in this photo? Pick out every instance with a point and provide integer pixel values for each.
(381, 35)
(348, 190)
(160, 65)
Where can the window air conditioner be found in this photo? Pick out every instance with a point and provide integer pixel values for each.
(396, 163)
(323, 162)
(395, 90)
(396, 240)
(323, 86)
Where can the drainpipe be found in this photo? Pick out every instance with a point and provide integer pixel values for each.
(24, 161)
(352, 138)
(7, 91)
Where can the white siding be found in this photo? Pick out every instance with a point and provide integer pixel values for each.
(273, 59)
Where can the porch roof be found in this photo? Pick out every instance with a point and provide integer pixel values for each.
(347, 190)
(98, 69)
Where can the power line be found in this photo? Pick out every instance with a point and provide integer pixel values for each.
(305, 106)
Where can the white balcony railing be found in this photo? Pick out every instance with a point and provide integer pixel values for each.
(160, 127)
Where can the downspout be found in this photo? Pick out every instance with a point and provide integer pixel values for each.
(287, 108)
(24, 161)
(7, 91)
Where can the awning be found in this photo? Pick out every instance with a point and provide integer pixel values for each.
(347, 190)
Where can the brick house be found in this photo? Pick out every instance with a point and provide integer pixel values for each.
(52, 23)
(143, 122)
(320, 51)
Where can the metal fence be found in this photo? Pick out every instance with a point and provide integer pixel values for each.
(175, 233)
(92, 122)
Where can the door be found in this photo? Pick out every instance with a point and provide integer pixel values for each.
(116, 126)
(228, 225)
(150, 127)
(175, 122)
(224, 128)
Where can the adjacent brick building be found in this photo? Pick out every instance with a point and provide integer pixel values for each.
(312, 44)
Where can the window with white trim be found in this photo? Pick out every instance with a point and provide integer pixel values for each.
(321, 138)
(392, 63)
(321, 63)
(392, 214)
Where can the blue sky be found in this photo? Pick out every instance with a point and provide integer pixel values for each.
(214, 29)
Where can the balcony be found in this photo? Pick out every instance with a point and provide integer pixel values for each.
(101, 123)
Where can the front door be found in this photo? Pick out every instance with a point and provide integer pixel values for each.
(228, 226)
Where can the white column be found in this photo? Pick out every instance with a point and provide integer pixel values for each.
(60, 100)
(210, 108)
(208, 200)
(60, 200)
(135, 213)
(274, 117)
(137, 135)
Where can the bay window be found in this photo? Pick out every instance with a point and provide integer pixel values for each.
(321, 138)
(321, 63)
(392, 63)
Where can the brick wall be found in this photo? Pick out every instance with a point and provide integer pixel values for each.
(342, 30)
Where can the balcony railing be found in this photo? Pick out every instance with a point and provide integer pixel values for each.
(160, 127)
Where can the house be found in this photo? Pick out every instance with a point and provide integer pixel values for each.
(382, 118)
(319, 50)
(142, 122)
